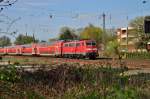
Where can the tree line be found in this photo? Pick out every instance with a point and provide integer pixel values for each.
(20, 40)
(66, 33)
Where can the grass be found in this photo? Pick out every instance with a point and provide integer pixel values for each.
(26, 60)
(137, 55)
(69, 82)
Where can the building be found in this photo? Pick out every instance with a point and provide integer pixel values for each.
(127, 38)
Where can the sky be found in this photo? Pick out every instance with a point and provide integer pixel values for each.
(32, 16)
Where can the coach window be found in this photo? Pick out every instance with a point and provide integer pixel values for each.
(78, 44)
(82, 43)
(66, 45)
(71, 45)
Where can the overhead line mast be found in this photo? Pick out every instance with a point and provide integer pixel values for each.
(104, 28)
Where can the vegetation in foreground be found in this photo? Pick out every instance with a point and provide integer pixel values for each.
(69, 82)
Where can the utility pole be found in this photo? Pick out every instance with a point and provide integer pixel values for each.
(127, 35)
(33, 38)
(104, 30)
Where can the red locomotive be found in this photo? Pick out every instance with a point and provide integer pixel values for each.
(67, 49)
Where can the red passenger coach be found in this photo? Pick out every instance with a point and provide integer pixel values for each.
(58, 48)
(12, 50)
(18, 50)
(45, 49)
(29, 49)
(49, 49)
(2, 51)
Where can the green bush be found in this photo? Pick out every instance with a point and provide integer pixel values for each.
(9, 73)
(72, 82)
(33, 95)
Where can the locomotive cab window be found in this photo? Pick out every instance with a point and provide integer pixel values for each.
(91, 43)
(94, 43)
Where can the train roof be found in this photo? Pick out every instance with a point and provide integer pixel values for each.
(78, 40)
(26, 45)
(13, 46)
(45, 44)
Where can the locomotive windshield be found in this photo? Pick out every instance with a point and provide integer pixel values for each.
(91, 43)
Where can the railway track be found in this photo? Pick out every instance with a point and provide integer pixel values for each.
(28, 60)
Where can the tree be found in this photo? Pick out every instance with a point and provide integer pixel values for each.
(43, 41)
(22, 39)
(5, 41)
(92, 32)
(52, 39)
(109, 36)
(67, 34)
(113, 50)
(137, 23)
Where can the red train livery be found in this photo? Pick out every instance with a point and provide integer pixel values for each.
(67, 49)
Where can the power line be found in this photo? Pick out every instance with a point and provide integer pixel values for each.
(11, 33)
(6, 3)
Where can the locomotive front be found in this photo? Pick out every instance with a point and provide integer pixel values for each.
(91, 49)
